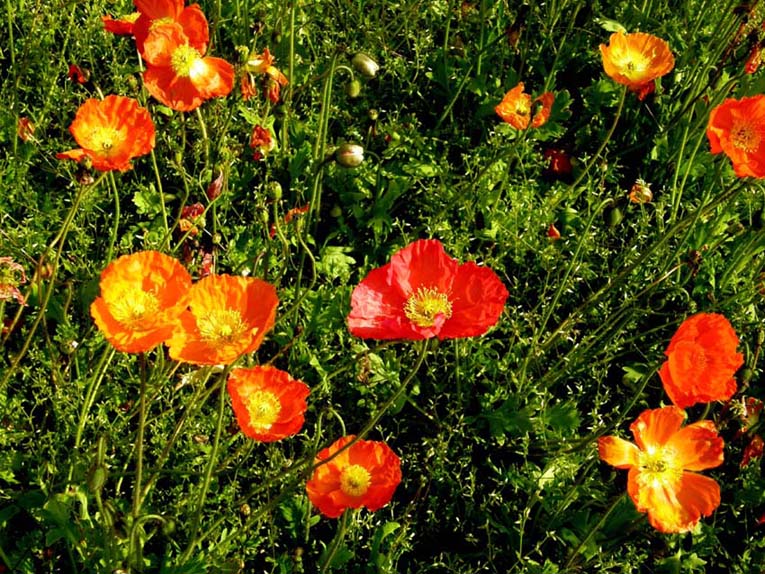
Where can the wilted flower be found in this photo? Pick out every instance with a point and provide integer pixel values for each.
(227, 317)
(25, 129)
(516, 108)
(11, 276)
(142, 297)
(264, 64)
(560, 162)
(424, 293)
(661, 479)
(77, 74)
(636, 60)
(753, 450)
(552, 232)
(754, 60)
(262, 141)
(111, 132)
(365, 474)
(640, 192)
(269, 404)
(737, 128)
(247, 87)
(191, 218)
(216, 187)
(701, 361)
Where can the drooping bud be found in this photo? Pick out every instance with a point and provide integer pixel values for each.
(365, 65)
(641, 192)
(349, 155)
(353, 89)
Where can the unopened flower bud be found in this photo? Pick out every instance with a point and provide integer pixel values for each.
(365, 65)
(349, 155)
(274, 190)
(353, 89)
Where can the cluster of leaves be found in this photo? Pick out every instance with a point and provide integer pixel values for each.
(497, 434)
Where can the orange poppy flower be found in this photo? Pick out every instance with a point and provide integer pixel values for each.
(176, 72)
(142, 296)
(228, 316)
(424, 293)
(516, 107)
(701, 361)
(737, 128)
(120, 26)
(269, 404)
(661, 479)
(154, 13)
(636, 60)
(365, 474)
(111, 132)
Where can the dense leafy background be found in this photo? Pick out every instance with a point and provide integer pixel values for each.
(496, 434)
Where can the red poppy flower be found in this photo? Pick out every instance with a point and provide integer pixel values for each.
(661, 480)
(269, 404)
(424, 293)
(560, 162)
(516, 107)
(111, 132)
(701, 361)
(228, 316)
(365, 474)
(25, 129)
(142, 297)
(737, 128)
(120, 26)
(753, 450)
(247, 87)
(636, 60)
(264, 64)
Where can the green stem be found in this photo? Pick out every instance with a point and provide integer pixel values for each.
(90, 395)
(208, 471)
(116, 218)
(158, 179)
(338, 540)
(139, 439)
(593, 530)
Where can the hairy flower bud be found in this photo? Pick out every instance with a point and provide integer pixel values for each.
(349, 155)
(365, 65)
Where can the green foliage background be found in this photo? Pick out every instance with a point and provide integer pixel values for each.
(496, 434)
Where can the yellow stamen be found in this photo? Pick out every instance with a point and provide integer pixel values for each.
(354, 480)
(426, 305)
(221, 326)
(134, 306)
(103, 139)
(184, 59)
(264, 408)
(745, 136)
(659, 466)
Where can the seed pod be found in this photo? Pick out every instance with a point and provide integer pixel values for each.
(349, 155)
(97, 477)
(365, 65)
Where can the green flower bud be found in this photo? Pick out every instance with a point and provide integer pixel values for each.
(365, 65)
(349, 155)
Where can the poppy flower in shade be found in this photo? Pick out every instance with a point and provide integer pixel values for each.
(701, 361)
(636, 60)
(142, 297)
(111, 132)
(262, 141)
(177, 74)
(77, 74)
(269, 404)
(662, 480)
(424, 293)
(228, 316)
(737, 128)
(516, 107)
(120, 26)
(365, 474)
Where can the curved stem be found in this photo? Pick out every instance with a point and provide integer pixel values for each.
(593, 530)
(116, 217)
(338, 540)
(90, 396)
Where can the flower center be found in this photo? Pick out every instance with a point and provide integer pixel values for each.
(264, 408)
(221, 326)
(425, 306)
(183, 60)
(745, 136)
(134, 306)
(354, 480)
(104, 139)
(634, 65)
(659, 467)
